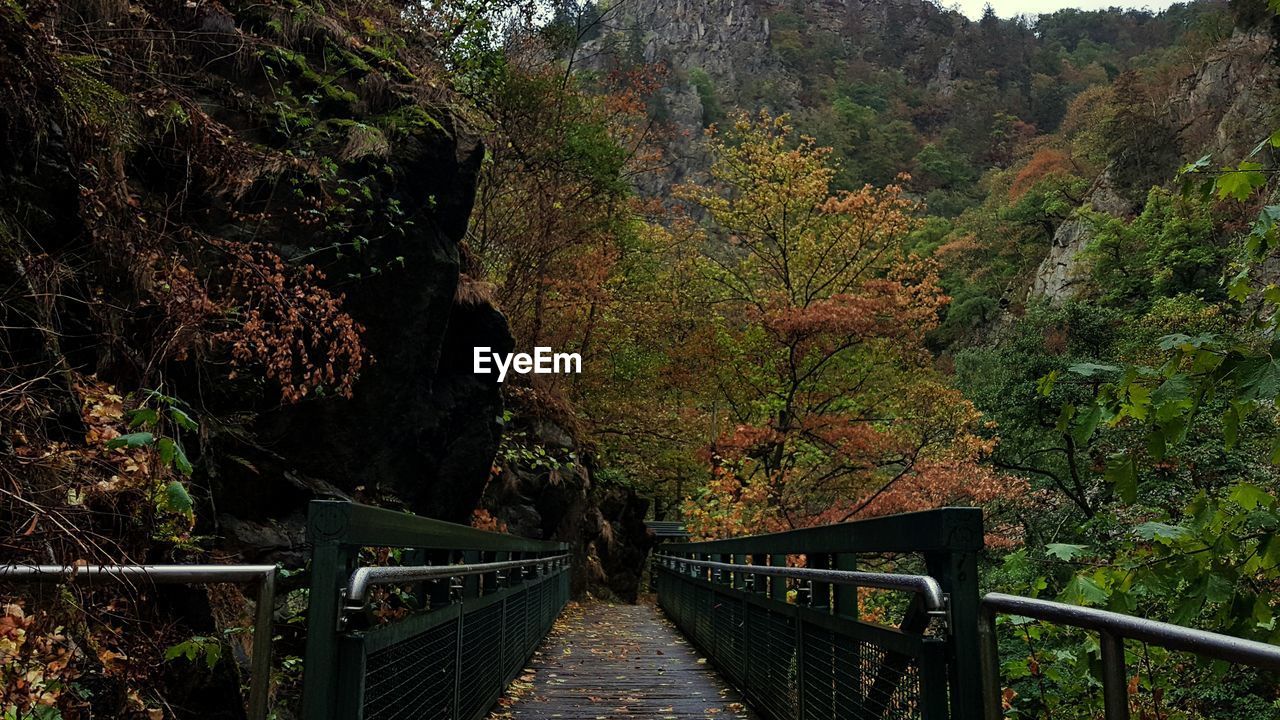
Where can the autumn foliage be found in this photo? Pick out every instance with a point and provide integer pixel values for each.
(1047, 161)
(833, 409)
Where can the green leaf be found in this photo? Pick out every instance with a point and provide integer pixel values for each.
(1082, 591)
(1064, 551)
(1185, 342)
(1122, 472)
(1065, 416)
(183, 420)
(173, 652)
(132, 440)
(1045, 384)
(1258, 378)
(166, 448)
(1160, 532)
(1157, 444)
(180, 461)
(1250, 497)
(143, 416)
(212, 654)
(177, 499)
(1240, 182)
(1139, 401)
(1089, 369)
(1218, 589)
(1197, 166)
(1085, 424)
(1230, 427)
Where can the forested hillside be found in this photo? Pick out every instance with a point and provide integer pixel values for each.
(823, 261)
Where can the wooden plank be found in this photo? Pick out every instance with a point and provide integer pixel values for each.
(620, 661)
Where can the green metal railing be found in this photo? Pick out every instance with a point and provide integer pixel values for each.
(467, 609)
(792, 639)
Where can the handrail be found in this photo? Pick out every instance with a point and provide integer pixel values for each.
(349, 672)
(364, 578)
(1114, 629)
(263, 575)
(926, 587)
(734, 598)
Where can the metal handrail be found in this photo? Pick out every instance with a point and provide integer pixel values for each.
(356, 593)
(1114, 628)
(935, 601)
(262, 575)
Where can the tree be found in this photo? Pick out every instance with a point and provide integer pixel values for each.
(831, 407)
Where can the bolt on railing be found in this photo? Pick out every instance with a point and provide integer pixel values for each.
(264, 576)
(1113, 629)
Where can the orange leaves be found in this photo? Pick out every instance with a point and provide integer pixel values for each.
(482, 519)
(36, 663)
(822, 321)
(289, 326)
(885, 309)
(1044, 163)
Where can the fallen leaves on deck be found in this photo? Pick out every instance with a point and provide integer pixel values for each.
(604, 661)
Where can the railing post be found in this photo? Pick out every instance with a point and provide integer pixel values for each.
(846, 596)
(777, 585)
(260, 663)
(326, 526)
(956, 569)
(992, 701)
(1115, 679)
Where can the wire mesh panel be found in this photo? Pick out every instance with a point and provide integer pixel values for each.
(480, 648)
(513, 632)
(778, 615)
(413, 678)
(729, 630)
(453, 670)
(449, 660)
(771, 679)
(856, 679)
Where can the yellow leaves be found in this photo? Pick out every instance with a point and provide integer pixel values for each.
(35, 663)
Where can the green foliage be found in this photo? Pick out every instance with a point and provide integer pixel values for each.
(89, 100)
(943, 165)
(1170, 249)
(712, 111)
(197, 648)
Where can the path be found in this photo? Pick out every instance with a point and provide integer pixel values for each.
(603, 662)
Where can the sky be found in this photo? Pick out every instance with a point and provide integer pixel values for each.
(1010, 8)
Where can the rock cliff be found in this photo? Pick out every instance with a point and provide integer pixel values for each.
(1221, 108)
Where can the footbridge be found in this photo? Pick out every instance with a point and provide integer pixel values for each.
(882, 619)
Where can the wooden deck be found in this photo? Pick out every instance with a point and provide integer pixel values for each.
(607, 661)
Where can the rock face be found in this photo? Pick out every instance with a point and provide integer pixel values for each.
(1225, 105)
(737, 45)
(1056, 278)
(1220, 108)
(604, 525)
(252, 127)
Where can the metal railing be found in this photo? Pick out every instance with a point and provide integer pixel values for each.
(793, 639)
(457, 619)
(1113, 629)
(356, 592)
(263, 576)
